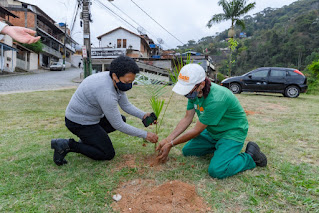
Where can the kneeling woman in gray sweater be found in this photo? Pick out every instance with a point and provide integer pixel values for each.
(93, 113)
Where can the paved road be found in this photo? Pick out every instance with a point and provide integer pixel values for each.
(39, 80)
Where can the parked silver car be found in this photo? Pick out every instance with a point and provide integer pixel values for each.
(56, 66)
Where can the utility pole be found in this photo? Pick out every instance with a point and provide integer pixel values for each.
(86, 17)
(64, 49)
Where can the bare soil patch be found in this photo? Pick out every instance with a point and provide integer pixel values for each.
(127, 161)
(132, 162)
(248, 112)
(152, 161)
(173, 196)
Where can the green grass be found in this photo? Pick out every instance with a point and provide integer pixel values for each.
(286, 129)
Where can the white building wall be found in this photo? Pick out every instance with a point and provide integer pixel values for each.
(67, 64)
(110, 40)
(33, 61)
(9, 57)
(75, 59)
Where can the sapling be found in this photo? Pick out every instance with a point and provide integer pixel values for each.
(155, 91)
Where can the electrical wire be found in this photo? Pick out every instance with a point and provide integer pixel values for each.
(106, 7)
(118, 16)
(135, 21)
(75, 14)
(157, 22)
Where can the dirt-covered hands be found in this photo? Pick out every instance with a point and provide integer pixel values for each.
(20, 34)
(161, 144)
(163, 149)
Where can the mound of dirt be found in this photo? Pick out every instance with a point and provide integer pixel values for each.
(174, 196)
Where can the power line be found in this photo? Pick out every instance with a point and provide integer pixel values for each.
(125, 13)
(157, 23)
(75, 14)
(118, 16)
(134, 21)
(115, 13)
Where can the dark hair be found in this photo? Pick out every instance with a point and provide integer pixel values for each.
(206, 89)
(123, 65)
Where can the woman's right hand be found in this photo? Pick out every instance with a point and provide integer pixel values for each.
(152, 137)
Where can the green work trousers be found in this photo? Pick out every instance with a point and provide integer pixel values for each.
(227, 161)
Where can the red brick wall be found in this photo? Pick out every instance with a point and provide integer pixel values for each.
(21, 20)
(31, 20)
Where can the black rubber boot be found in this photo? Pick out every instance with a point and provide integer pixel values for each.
(254, 151)
(61, 148)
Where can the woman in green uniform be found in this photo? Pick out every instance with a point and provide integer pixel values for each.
(221, 128)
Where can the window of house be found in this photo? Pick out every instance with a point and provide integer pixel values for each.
(124, 43)
(119, 41)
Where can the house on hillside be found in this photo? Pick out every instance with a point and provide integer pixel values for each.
(123, 41)
(7, 48)
(52, 34)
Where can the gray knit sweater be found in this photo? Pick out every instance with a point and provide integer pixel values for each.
(95, 97)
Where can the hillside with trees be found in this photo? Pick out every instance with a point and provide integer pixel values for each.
(282, 37)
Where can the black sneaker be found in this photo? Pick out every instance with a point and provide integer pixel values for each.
(254, 151)
(61, 148)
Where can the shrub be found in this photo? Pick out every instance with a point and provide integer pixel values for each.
(312, 72)
(220, 77)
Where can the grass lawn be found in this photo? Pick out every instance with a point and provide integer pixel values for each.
(286, 130)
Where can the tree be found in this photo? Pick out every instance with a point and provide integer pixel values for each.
(233, 11)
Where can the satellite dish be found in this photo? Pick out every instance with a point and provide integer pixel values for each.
(160, 41)
(141, 30)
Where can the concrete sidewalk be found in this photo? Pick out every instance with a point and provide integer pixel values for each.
(40, 80)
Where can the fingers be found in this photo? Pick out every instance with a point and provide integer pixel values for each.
(37, 39)
(31, 32)
(162, 158)
(31, 40)
(159, 147)
(28, 39)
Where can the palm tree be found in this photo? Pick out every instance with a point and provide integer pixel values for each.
(233, 10)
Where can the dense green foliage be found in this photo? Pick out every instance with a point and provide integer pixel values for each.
(312, 72)
(283, 37)
(36, 47)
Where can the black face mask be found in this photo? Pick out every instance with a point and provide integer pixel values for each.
(124, 87)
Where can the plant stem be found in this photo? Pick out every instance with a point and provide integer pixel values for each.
(156, 130)
(169, 100)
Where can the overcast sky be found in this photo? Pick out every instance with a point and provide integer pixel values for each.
(184, 19)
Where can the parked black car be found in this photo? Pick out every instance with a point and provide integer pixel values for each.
(289, 82)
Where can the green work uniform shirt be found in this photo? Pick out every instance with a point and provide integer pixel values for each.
(223, 114)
